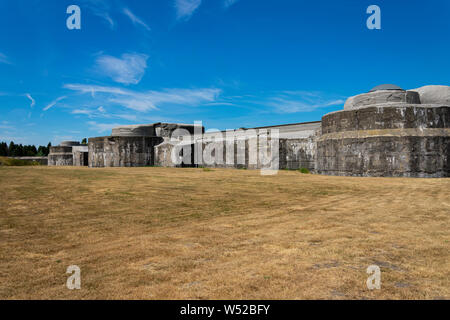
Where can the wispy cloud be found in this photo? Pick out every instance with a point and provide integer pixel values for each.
(33, 102)
(4, 59)
(102, 127)
(92, 89)
(6, 127)
(54, 102)
(301, 101)
(100, 8)
(150, 100)
(128, 69)
(90, 112)
(135, 19)
(186, 8)
(101, 113)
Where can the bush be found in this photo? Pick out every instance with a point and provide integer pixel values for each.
(303, 170)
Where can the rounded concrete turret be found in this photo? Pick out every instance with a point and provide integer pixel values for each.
(382, 94)
(388, 132)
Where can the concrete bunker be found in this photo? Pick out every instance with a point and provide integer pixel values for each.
(387, 131)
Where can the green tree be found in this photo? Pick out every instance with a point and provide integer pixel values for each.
(11, 149)
(3, 149)
(84, 141)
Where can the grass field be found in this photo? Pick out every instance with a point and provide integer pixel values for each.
(161, 233)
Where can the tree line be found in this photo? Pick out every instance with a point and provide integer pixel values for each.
(19, 150)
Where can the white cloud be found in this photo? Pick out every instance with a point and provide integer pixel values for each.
(33, 103)
(92, 89)
(186, 8)
(83, 111)
(100, 111)
(53, 103)
(129, 69)
(150, 100)
(100, 8)
(136, 20)
(4, 59)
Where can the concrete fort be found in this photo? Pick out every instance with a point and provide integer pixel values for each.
(387, 131)
(68, 153)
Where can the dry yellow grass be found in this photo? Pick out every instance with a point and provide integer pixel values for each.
(160, 233)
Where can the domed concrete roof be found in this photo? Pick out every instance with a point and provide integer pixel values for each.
(434, 95)
(386, 87)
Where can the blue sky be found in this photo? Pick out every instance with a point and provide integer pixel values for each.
(228, 63)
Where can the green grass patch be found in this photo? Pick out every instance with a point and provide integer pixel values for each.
(303, 170)
(9, 162)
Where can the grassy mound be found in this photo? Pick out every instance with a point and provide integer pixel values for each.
(4, 161)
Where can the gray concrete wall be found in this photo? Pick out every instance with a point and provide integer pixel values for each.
(60, 156)
(122, 151)
(241, 149)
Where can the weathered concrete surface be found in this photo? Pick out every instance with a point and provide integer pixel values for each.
(60, 156)
(122, 151)
(300, 153)
(169, 154)
(167, 130)
(387, 117)
(403, 140)
(381, 97)
(68, 153)
(248, 153)
(241, 149)
(80, 155)
(80, 159)
(434, 94)
(385, 156)
(136, 145)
